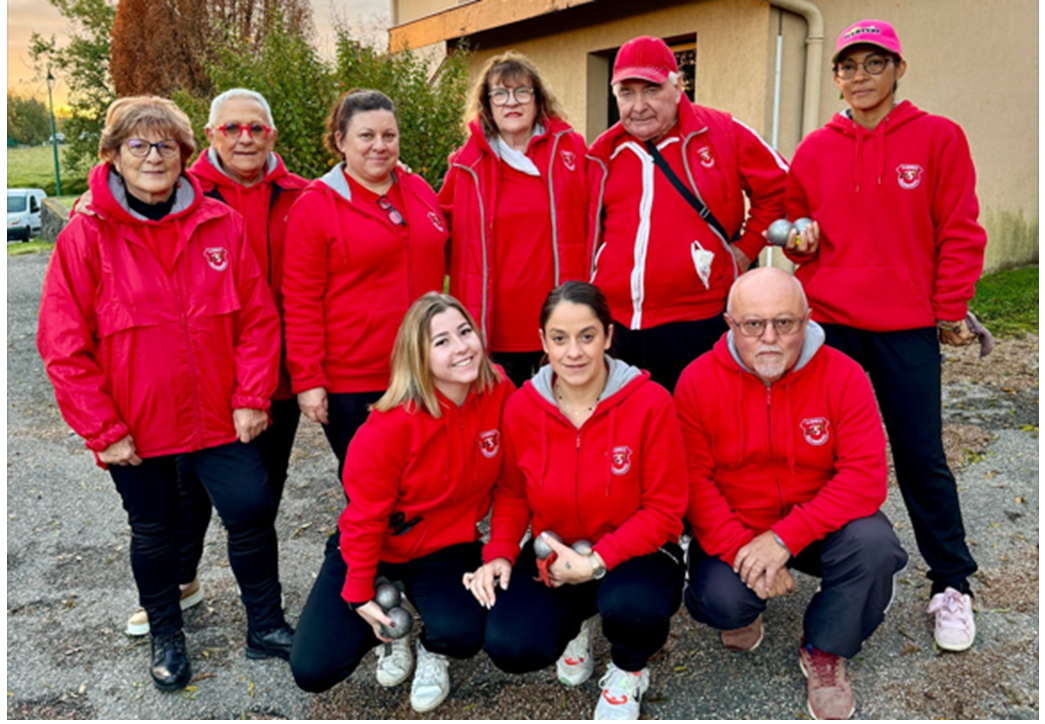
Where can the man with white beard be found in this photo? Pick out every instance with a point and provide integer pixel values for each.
(786, 459)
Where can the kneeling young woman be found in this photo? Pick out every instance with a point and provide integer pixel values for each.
(419, 473)
(593, 452)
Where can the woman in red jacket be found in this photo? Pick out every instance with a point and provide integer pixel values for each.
(516, 194)
(886, 171)
(593, 452)
(161, 339)
(419, 474)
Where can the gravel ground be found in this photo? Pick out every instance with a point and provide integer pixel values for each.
(70, 588)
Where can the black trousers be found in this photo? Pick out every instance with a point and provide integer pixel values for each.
(235, 480)
(856, 563)
(905, 372)
(274, 445)
(346, 411)
(331, 639)
(530, 625)
(666, 350)
(519, 366)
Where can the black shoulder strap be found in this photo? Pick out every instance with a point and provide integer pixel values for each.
(697, 204)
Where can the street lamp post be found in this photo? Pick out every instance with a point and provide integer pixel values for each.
(54, 135)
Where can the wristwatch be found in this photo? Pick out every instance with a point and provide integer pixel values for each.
(598, 568)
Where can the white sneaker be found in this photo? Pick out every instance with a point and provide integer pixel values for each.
(955, 628)
(191, 595)
(394, 667)
(576, 664)
(621, 695)
(431, 680)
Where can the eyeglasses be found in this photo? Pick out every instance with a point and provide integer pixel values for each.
(257, 131)
(874, 65)
(140, 148)
(755, 327)
(522, 94)
(393, 214)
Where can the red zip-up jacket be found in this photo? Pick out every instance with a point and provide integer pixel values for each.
(349, 277)
(264, 207)
(641, 231)
(410, 464)
(900, 244)
(164, 356)
(619, 481)
(469, 197)
(803, 456)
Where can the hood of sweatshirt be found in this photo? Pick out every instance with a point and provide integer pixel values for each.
(109, 197)
(620, 375)
(869, 145)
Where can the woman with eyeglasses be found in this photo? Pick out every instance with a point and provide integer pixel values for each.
(161, 338)
(516, 196)
(893, 189)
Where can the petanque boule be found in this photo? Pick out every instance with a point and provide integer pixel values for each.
(583, 547)
(542, 549)
(387, 596)
(402, 623)
(778, 232)
(801, 224)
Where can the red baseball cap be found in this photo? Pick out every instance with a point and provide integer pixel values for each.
(869, 32)
(645, 58)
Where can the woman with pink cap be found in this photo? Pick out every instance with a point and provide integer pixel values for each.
(893, 190)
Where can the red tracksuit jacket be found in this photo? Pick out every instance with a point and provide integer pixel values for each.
(264, 208)
(163, 354)
(900, 245)
(439, 470)
(803, 456)
(618, 482)
(470, 196)
(349, 277)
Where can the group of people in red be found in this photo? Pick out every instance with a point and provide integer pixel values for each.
(648, 423)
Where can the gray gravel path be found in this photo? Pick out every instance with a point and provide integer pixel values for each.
(70, 591)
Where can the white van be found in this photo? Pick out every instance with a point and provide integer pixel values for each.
(23, 213)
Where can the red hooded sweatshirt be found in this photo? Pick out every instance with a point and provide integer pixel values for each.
(163, 352)
(900, 245)
(618, 482)
(803, 456)
(349, 275)
(264, 207)
(480, 274)
(646, 240)
(411, 466)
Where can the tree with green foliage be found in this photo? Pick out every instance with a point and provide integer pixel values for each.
(28, 121)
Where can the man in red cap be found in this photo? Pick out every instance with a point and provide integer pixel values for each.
(668, 229)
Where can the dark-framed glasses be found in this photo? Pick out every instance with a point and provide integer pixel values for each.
(523, 95)
(874, 65)
(393, 213)
(257, 131)
(140, 148)
(755, 327)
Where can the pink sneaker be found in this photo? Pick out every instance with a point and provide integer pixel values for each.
(955, 626)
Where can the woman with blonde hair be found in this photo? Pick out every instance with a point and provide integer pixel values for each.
(516, 195)
(419, 473)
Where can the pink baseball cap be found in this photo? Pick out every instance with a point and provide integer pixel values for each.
(646, 58)
(869, 32)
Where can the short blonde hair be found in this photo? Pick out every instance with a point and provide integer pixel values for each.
(510, 66)
(135, 114)
(412, 384)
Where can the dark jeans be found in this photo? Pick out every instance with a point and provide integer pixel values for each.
(235, 480)
(274, 446)
(519, 366)
(530, 625)
(666, 350)
(856, 563)
(331, 639)
(346, 411)
(905, 371)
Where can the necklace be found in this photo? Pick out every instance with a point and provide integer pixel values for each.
(566, 406)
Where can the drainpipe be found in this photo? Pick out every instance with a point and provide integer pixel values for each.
(814, 58)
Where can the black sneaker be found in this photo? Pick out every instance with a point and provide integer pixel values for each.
(276, 642)
(170, 662)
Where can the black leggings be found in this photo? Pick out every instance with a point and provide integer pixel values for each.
(331, 639)
(346, 411)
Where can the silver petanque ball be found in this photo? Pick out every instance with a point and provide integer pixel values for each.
(402, 623)
(801, 224)
(583, 547)
(387, 596)
(778, 232)
(542, 549)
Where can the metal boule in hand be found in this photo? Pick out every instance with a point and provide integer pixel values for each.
(583, 547)
(541, 548)
(778, 232)
(801, 224)
(402, 623)
(387, 596)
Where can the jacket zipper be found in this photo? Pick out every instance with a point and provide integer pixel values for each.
(192, 366)
(772, 454)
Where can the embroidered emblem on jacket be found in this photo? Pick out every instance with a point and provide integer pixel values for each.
(620, 462)
(437, 221)
(217, 257)
(570, 159)
(816, 430)
(707, 158)
(490, 443)
(909, 175)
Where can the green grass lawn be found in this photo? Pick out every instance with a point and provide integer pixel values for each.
(29, 247)
(34, 168)
(1007, 302)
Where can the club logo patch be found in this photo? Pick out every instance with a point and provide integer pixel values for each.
(816, 430)
(620, 462)
(569, 158)
(707, 158)
(437, 221)
(490, 443)
(217, 257)
(909, 175)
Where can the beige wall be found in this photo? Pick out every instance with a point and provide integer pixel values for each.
(406, 11)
